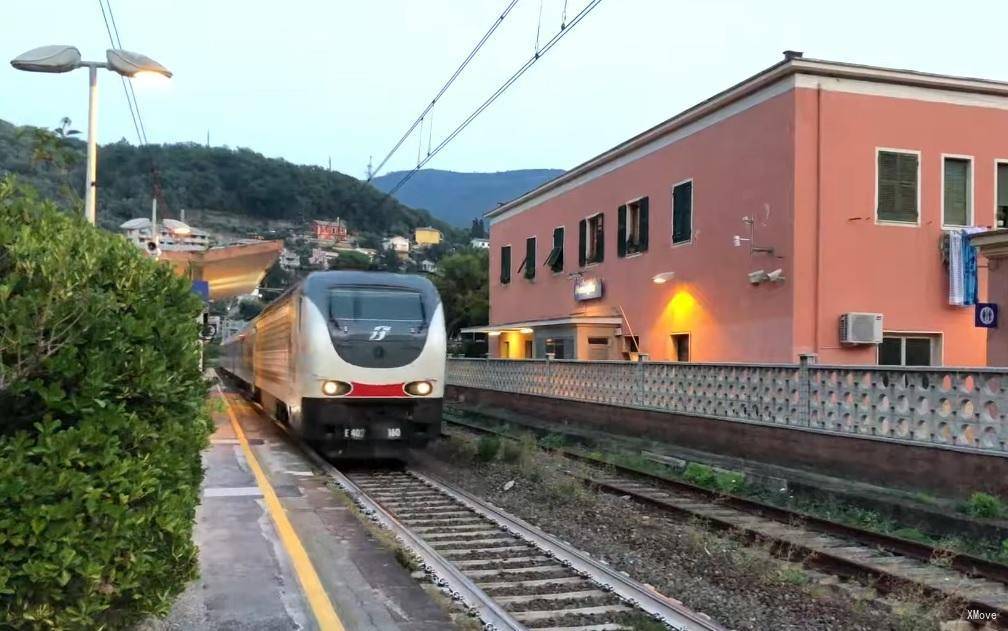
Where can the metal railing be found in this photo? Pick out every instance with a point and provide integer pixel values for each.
(951, 407)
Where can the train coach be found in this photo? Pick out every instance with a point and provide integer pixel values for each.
(352, 361)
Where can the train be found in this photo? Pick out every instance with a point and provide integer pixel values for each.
(352, 361)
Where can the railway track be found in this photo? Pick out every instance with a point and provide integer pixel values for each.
(831, 546)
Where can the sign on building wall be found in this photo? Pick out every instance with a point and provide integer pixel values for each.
(587, 288)
(986, 315)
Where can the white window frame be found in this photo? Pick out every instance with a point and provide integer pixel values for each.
(934, 336)
(689, 339)
(510, 272)
(972, 178)
(672, 213)
(997, 161)
(627, 242)
(920, 209)
(588, 232)
(563, 248)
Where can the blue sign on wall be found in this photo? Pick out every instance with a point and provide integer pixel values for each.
(202, 289)
(986, 315)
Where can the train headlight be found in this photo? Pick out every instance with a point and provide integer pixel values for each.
(419, 388)
(335, 388)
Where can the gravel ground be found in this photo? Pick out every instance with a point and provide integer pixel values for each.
(739, 586)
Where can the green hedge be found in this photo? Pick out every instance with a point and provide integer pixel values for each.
(102, 418)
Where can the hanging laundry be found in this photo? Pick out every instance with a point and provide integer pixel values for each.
(962, 258)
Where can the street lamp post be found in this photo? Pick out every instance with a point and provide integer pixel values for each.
(55, 59)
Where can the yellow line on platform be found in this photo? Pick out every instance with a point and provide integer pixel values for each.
(314, 592)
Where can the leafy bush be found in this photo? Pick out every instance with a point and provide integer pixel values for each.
(487, 448)
(984, 505)
(730, 481)
(102, 420)
(512, 452)
(700, 475)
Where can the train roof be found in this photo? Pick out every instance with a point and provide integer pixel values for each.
(319, 280)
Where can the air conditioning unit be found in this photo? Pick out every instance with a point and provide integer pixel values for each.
(861, 328)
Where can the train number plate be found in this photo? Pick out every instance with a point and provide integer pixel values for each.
(394, 432)
(356, 433)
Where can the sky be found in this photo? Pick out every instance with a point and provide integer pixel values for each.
(317, 80)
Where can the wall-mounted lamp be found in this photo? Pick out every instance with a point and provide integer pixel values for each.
(493, 333)
(525, 331)
(664, 277)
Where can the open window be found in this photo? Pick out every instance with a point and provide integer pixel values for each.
(528, 264)
(591, 237)
(632, 228)
(682, 212)
(555, 260)
(505, 265)
(909, 349)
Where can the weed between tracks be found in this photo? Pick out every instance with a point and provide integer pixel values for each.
(743, 584)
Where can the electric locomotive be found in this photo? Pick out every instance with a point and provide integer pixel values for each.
(353, 361)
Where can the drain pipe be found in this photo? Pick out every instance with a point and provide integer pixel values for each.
(633, 338)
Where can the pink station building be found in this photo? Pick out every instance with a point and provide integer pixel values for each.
(745, 228)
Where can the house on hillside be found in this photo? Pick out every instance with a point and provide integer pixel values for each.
(321, 258)
(289, 260)
(329, 230)
(427, 236)
(400, 245)
(428, 267)
(479, 243)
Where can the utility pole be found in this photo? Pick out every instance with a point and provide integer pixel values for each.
(370, 169)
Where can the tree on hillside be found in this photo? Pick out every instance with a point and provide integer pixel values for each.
(464, 285)
(351, 260)
(55, 157)
(478, 230)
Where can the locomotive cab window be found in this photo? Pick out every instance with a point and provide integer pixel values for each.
(387, 305)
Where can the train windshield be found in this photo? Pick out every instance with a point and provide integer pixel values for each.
(355, 303)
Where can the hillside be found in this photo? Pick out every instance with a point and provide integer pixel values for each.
(255, 189)
(456, 198)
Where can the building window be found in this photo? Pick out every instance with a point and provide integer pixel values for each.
(682, 212)
(591, 237)
(898, 178)
(558, 346)
(505, 269)
(681, 347)
(555, 259)
(1002, 195)
(529, 264)
(909, 350)
(957, 191)
(632, 227)
(528, 349)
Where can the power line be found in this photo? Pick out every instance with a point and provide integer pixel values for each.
(129, 84)
(444, 88)
(564, 29)
(129, 103)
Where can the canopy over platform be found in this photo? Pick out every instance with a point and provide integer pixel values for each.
(231, 271)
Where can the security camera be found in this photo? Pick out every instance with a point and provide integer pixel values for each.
(775, 276)
(758, 277)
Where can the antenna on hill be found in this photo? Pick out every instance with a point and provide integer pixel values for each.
(208, 138)
(370, 169)
(330, 163)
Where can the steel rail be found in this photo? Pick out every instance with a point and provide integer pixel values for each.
(669, 610)
(460, 585)
(966, 564)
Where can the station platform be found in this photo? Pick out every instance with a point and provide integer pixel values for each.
(279, 549)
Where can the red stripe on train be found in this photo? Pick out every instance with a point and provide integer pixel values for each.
(377, 390)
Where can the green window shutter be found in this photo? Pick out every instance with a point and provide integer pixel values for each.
(682, 212)
(957, 175)
(621, 231)
(643, 225)
(505, 271)
(530, 257)
(582, 242)
(897, 186)
(558, 247)
(1002, 185)
(600, 240)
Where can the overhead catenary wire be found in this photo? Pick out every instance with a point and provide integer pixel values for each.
(126, 90)
(496, 94)
(444, 88)
(128, 84)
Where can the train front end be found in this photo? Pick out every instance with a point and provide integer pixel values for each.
(372, 367)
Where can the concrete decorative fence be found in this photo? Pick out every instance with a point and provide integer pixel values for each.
(954, 407)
